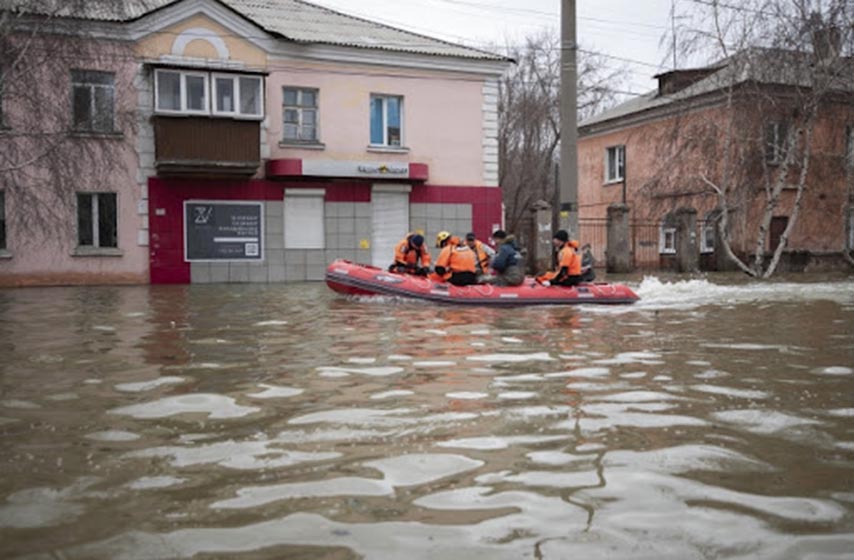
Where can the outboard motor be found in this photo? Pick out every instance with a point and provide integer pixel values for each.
(587, 273)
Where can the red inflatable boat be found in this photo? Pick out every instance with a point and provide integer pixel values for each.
(356, 279)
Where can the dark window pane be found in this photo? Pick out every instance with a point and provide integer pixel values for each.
(84, 220)
(290, 96)
(377, 119)
(82, 108)
(103, 121)
(169, 91)
(224, 94)
(250, 96)
(195, 93)
(291, 131)
(2, 220)
(107, 220)
(309, 98)
(92, 77)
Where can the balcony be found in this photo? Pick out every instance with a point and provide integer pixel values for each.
(205, 146)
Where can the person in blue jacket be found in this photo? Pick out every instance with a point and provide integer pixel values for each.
(508, 264)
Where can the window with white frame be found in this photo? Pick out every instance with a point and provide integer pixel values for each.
(387, 120)
(92, 101)
(97, 220)
(615, 163)
(179, 91)
(299, 113)
(304, 219)
(2, 220)
(667, 235)
(775, 141)
(237, 95)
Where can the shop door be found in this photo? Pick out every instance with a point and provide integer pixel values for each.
(390, 223)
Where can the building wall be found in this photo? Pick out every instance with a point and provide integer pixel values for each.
(443, 121)
(347, 226)
(660, 178)
(41, 196)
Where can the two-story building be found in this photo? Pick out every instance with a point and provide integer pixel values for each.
(259, 141)
(728, 125)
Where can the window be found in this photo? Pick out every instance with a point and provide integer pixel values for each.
(849, 145)
(708, 231)
(181, 92)
(299, 111)
(667, 240)
(386, 120)
(850, 229)
(615, 163)
(775, 142)
(304, 217)
(236, 95)
(2, 220)
(93, 100)
(97, 220)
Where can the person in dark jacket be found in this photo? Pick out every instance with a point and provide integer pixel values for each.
(508, 263)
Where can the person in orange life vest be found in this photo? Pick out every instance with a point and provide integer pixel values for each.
(568, 271)
(483, 253)
(411, 256)
(456, 263)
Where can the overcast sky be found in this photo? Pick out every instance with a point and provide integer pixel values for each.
(630, 31)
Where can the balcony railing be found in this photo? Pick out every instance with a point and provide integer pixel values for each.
(206, 146)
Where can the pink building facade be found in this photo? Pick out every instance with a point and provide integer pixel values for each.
(267, 145)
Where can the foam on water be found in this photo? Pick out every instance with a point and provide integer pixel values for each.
(149, 385)
(275, 392)
(113, 435)
(334, 371)
(390, 394)
(513, 358)
(149, 482)
(215, 406)
(688, 294)
(467, 395)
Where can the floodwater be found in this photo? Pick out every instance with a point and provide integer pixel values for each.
(705, 421)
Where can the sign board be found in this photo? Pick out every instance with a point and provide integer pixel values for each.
(219, 231)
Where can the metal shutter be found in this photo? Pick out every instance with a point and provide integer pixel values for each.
(390, 224)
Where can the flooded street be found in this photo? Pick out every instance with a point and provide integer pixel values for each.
(285, 421)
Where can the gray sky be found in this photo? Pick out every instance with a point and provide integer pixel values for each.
(627, 30)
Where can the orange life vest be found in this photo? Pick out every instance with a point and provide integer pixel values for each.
(456, 257)
(408, 255)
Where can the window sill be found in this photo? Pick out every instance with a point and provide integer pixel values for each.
(612, 182)
(302, 145)
(387, 149)
(94, 134)
(4, 254)
(97, 252)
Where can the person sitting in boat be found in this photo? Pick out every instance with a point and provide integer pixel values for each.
(587, 272)
(568, 271)
(411, 256)
(483, 254)
(456, 263)
(508, 264)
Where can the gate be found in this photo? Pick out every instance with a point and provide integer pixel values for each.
(594, 232)
(645, 250)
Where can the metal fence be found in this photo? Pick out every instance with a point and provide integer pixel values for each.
(594, 232)
(646, 253)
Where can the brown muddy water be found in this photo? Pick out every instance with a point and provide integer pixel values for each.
(706, 421)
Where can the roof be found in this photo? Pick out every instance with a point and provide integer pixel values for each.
(294, 20)
(765, 66)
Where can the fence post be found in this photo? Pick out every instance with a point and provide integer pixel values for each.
(687, 253)
(542, 237)
(618, 254)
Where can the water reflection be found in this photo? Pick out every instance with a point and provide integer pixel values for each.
(286, 421)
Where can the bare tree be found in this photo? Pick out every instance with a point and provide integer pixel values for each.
(783, 68)
(529, 117)
(68, 114)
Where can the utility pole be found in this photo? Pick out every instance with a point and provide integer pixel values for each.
(568, 120)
